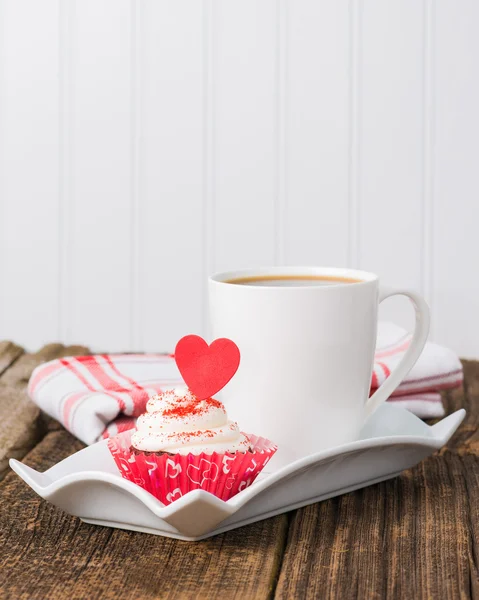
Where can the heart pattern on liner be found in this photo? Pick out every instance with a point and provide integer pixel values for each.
(243, 485)
(230, 482)
(153, 466)
(206, 369)
(123, 463)
(176, 493)
(226, 460)
(172, 470)
(206, 471)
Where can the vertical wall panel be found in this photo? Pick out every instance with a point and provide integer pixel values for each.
(317, 138)
(29, 210)
(456, 171)
(99, 236)
(245, 130)
(171, 258)
(391, 146)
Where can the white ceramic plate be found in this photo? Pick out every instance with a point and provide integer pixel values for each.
(87, 484)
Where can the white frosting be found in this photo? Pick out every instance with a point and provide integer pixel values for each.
(177, 422)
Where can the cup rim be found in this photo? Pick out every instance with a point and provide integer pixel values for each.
(224, 277)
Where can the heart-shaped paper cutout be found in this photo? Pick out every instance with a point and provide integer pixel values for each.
(206, 369)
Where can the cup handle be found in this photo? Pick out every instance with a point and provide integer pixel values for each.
(415, 348)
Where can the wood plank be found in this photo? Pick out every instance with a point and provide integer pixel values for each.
(413, 537)
(77, 560)
(20, 428)
(9, 353)
(21, 423)
(472, 483)
(406, 538)
(19, 374)
(466, 439)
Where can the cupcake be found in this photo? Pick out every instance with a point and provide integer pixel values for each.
(185, 443)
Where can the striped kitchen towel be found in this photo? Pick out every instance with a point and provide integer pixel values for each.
(101, 395)
(437, 369)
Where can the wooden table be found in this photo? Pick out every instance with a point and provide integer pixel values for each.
(413, 537)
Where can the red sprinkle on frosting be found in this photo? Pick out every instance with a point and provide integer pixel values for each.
(186, 436)
(194, 406)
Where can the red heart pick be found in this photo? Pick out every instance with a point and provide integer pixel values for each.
(206, 369)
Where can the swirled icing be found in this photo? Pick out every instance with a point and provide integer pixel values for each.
(177, 421)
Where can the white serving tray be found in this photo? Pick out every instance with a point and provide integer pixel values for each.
(87, 484)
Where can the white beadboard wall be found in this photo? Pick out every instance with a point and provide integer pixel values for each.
(147, 143)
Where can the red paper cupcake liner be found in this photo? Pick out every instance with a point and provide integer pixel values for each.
(169, 477)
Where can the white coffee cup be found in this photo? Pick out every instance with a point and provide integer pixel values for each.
(307, 351)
